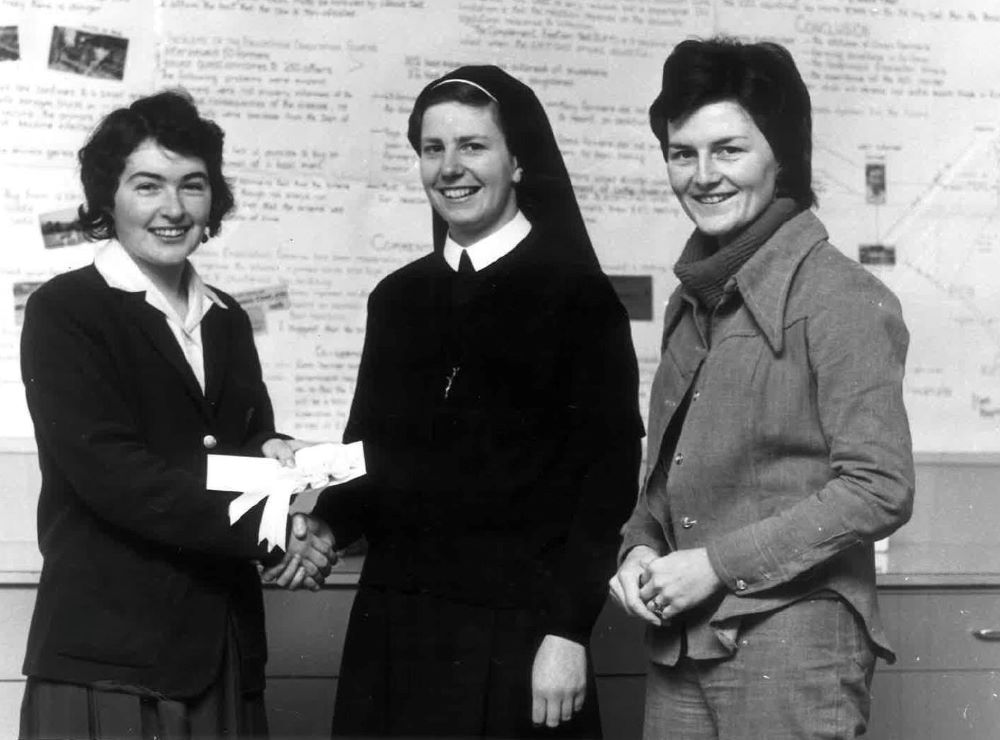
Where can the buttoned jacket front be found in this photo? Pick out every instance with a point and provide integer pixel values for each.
(142, 574)
(794, 455)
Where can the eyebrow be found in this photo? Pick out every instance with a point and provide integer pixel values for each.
(714, 142)
(460, 139)
(156, 176)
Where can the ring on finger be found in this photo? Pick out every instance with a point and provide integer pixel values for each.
(657, 608)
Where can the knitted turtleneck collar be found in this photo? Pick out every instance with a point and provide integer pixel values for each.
(704, 268)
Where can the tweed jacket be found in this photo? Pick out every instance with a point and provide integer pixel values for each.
(794, 455)
(142, 573)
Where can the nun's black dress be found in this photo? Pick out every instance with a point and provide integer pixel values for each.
(499, 415)
(492, 506)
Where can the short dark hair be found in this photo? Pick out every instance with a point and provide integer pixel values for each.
(760, 77)
(169, 118)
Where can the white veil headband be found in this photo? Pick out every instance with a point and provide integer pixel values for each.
(472, 84)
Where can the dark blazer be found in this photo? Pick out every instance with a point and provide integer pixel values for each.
(142, 573)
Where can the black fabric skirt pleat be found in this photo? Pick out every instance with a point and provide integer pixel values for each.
(417, 665)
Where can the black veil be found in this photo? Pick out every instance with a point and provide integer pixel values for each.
(544, 194)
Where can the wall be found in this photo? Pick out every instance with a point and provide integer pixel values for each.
(314, 96)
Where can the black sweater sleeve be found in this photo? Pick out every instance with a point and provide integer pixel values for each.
(345, 507)
(602, 458)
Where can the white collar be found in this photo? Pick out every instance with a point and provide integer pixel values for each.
(120, 271)
(491, 248)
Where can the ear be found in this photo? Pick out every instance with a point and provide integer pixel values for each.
(518, 172)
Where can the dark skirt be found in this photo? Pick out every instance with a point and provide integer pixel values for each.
(419, 665)
(52, 709)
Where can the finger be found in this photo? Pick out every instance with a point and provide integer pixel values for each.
(322, 545)
(634, 603)
(553, 709)
(300, 575)
(637, 607)
(311, 568)
(648, 591)
(288, 573)
(300, 526)
(566, 709)
(578, 700)
(316, 559)
(312, 584)
(537, 709)
(269, 575)
(285, 455)
(668, 611)
(617, 591)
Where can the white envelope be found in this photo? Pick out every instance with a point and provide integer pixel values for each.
(257, 478)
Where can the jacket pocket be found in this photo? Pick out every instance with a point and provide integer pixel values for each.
(117, 621)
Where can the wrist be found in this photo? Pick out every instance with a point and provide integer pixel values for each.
(641, 554)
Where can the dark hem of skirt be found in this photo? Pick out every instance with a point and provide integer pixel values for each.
(106, 711)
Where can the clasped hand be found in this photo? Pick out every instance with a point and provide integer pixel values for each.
(309, 554)
(655, 588)
(308, 558)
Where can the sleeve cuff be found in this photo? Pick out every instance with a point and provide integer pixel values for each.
(571, 626)
(649, 534)
(732, 560)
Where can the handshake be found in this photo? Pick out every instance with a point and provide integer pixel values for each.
(309, 552)
(309, 556)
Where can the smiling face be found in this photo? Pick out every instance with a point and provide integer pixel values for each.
(161, 208)
(467, 170)
(721, 168)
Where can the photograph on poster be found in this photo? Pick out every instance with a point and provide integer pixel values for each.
(21, 293)
(88, 54)
(258, 301)
(10, 48)
(876, 254)
(61, 228)
(875, 183)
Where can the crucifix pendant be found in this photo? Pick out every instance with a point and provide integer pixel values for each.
(450, 379)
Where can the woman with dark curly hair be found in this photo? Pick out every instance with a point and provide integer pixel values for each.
(149, 620)
(779, 448)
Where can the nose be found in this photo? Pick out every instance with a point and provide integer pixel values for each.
(172, 206)
(707, 173)
(451, 164)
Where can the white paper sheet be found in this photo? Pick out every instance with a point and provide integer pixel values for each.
(257, 478)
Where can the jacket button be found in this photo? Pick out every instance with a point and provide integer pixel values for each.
(209, 441)
(687, 522)
(741, 585)
(678, 458)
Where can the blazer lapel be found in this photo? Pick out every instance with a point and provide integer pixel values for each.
(215, 339)
(154, 326)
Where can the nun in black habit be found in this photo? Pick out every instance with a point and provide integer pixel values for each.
(497, 403)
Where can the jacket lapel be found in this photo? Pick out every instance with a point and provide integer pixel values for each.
(215, 340)
(154, 326)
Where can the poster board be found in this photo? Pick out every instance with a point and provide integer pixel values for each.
(314, 95)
